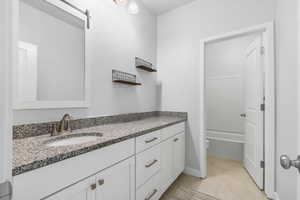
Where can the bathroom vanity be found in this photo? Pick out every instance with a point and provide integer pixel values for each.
(128, 157)
(136, 160)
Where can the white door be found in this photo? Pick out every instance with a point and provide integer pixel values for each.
(178, 154)
(84, 190)
(254, 134)
(117, 182)
(298, 192)
(166, 149)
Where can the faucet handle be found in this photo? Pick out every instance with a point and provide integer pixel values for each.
(68, 119)
(69, 129)
(54, 130)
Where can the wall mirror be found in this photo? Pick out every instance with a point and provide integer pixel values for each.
(51, 70)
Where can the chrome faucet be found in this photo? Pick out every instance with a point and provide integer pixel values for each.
(64, 124)
(63, 127)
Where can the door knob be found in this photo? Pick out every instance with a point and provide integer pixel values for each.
(243, 115)
(287, 163)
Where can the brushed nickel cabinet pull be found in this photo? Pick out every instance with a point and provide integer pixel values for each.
(152, 163)
(176, 139)
(93, 186)
(151, 195)
(152, 140)
(101, 182)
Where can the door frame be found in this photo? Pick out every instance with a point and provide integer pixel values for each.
(298, 90)
(6, 62)
(269, 145)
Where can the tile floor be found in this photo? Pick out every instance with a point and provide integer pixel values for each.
(227, 180)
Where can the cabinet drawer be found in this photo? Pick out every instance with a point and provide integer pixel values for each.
(147, 141)
(151, 190)
(147, 164)
(172, 130)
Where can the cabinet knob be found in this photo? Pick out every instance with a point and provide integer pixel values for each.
(93, 186)
(176, 139)
(101, 182)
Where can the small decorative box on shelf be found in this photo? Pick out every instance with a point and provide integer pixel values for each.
(144, 65)
(123, 77)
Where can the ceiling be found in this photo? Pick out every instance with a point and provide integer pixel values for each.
(160, 6)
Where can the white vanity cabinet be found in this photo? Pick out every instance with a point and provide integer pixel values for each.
(114, 183)
(72, 176)
(137, 169)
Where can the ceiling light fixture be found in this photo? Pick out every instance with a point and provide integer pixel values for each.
(133, 7)
(120, 2)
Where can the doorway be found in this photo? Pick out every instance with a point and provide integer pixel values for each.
(237, 102)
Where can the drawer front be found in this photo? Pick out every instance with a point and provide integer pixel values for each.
(172, 130)
(151, 190)
(146, 141)
(147, 164)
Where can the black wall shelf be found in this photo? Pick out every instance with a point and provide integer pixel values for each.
(126, 82)
(144, 65)
(124, 78)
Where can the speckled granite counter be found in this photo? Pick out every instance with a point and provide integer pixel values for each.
(31, 153)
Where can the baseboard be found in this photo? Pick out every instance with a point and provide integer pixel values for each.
(225, 136)
(192, 172)
(276, 196)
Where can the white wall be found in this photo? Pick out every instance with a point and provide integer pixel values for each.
(179, 35)
(113, 41)
(286, 52)
(227, 150)
(3, 64)
(224, 84)
(5, 90)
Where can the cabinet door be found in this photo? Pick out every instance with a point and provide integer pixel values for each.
(178, 154)
(84, 190)
(166, 164)
(117, 182)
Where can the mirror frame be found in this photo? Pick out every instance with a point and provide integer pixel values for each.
(29, 105)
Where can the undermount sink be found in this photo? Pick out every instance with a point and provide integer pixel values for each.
(74, 139)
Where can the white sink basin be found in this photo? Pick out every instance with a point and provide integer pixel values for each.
(73, 140)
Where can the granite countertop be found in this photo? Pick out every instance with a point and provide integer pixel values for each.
(33, 153)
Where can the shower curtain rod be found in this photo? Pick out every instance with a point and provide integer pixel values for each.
(86, 12)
